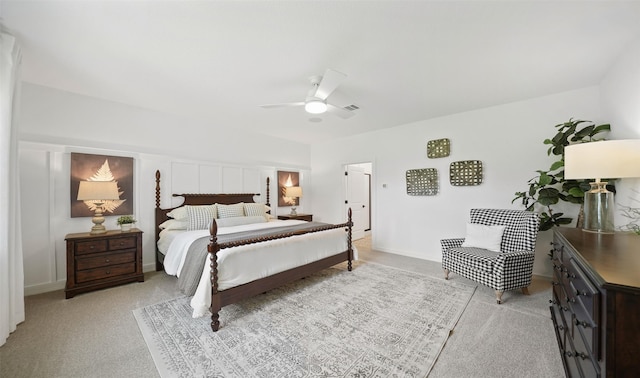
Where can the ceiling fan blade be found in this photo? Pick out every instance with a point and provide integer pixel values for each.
(283, 105)
(340, 112)
(329, 83)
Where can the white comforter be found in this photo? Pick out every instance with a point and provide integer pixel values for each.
(240, 265)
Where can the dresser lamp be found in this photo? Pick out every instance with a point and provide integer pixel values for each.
(294, 192)
(98, 192)
(611, 159)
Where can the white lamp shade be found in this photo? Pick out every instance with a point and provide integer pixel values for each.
(293, 192)
(98, 191)
(315, 107)
(604, 159)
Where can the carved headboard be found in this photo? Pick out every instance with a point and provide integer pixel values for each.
(198, 199)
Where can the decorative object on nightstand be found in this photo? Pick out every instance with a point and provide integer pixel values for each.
(294, 192)
(100, 261)
(597, 160)
(304, 217)
(126, 222)
(99, 192)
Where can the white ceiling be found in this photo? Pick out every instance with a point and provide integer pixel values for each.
(406, 60)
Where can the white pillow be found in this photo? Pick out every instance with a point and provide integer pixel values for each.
(253, 209)
(482, 236)
(179, 213)
(200, 216)
(173, 224)
(228, 211)
(237, 221)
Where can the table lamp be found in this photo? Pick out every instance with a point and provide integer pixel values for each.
(294, 192)
(98, 192)
(611, 159)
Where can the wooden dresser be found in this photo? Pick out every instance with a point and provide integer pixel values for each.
(596, 302)
(100, 261)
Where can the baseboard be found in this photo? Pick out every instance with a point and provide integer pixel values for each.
(44, 288)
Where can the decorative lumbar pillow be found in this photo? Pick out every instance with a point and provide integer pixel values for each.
(228, 211)
(173, 224)
(253, 209)
(238, 221)
(199, 217)
(483, 236)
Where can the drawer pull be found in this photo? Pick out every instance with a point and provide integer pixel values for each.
(564, 308)
(583, 293)
(561, 327)
(568, 354)
(572, 300)
(107, 260)
(570, 275)
(553, 301)
(582, 355)
(583, 324)
(92, 247)
(554, 283)
(108, 272)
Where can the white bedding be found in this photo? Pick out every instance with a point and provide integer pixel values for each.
(240, 265)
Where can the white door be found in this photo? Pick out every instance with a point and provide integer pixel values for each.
(356, 200)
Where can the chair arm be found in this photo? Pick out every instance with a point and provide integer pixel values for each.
(508, 261)
(451, 243)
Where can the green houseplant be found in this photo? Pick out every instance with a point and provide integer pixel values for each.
(125, 222)
(550, 187)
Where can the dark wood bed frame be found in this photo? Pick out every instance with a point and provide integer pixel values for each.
(222, 298)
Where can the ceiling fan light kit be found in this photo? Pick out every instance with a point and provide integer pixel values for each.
(315, 106)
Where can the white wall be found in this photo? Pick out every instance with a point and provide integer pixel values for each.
(507, 139)
(56, 123)
(621, 105)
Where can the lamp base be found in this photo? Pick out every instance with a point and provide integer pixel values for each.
(98, 220)
(293, 212)
(599, 209)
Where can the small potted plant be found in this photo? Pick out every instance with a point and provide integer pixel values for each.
(125, 222)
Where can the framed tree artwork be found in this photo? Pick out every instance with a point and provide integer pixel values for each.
(89, 167)
(285, 180)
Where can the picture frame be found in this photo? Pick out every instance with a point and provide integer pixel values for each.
(91, 167)
(287, 179)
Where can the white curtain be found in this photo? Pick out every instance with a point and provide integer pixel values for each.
(11, 265)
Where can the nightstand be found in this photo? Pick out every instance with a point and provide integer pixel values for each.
(304, 217)
(100, 261)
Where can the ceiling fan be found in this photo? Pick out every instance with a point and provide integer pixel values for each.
(316, 101)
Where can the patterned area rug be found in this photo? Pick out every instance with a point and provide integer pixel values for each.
(374, 321)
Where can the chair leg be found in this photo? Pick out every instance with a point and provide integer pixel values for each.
(525, 290)
(499, 296)
(446, 273)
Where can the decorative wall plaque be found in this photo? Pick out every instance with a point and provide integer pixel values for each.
(422, 182)
(465, 173)
(438, 148)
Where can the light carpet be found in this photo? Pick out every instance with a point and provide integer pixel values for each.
(375, 321)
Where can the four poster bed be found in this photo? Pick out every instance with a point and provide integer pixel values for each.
(248, 251)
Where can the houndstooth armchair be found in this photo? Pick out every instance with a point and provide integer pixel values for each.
(510, 266)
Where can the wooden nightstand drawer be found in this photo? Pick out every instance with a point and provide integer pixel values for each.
(122, 243)
(104, 272)
(304, 217)
(91, 246)
(106, 259)
(101, 261)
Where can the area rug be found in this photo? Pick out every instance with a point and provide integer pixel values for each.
(375, 321)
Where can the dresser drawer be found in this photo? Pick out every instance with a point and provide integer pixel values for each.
(584, 358)
(92, 246)
(122, 243)
(105, 272)
(106, 259)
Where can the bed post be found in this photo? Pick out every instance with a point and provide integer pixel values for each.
(213, 248)
(267, 203)
(157, 228)
(349, 242)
